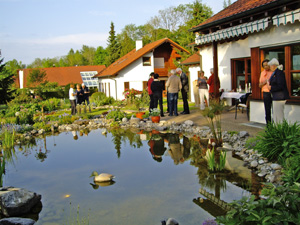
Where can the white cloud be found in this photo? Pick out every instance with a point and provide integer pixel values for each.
(26, 50)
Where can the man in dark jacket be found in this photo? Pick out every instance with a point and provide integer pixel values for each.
(184, 91)
(157, 88)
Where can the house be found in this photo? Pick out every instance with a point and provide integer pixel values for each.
(193, 63)
(64, 75)
(237, 39)
(133, 69)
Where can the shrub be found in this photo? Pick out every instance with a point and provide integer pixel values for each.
(117, 115)
(281, 206)
(279, 141)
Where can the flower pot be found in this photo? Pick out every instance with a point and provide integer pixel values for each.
(139, 115)
(155, 119)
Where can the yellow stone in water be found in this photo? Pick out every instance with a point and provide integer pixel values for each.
(67, 196)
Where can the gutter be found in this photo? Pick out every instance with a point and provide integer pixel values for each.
(262, 8)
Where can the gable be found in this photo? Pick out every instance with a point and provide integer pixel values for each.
(134, 55)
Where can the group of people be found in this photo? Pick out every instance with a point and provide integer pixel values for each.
(79, 95)
(202, 93)
(273, 86)
(178, 82)
(174, 85)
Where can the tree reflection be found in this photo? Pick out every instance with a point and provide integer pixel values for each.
(120, 136)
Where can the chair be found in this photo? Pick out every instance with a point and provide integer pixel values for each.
(243, 103)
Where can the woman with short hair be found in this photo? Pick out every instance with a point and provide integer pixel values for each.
(278, 88)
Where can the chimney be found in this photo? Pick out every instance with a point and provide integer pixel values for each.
(138, 44)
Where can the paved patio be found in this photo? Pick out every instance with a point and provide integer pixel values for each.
(228, 122)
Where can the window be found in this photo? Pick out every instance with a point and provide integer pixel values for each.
(289, 57)
(241, 74)
(146, 61)
(295, 70)
(88, 80)
(126, 86)
(277, 53)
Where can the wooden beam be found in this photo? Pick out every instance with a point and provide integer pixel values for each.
(255, 73)
(215, 63)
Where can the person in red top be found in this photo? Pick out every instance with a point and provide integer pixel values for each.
(211, 83)
(150, 91)
(263, 84)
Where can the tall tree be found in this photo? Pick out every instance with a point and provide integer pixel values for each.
(113, 48)
(100, 56)
(88, 53)
(13, 65)
(198, 13)
(226, 4)
(36, 76)
(7, 80)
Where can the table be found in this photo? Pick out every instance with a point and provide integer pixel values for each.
(227, 94)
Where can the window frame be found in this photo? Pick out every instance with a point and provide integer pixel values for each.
(146, 61)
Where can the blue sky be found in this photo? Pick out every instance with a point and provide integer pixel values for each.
(32, 29)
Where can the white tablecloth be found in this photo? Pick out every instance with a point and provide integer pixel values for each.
(235, 95)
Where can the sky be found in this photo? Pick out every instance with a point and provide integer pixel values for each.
(31, 29)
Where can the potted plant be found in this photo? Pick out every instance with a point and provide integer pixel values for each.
(137, 103)
(155, 115)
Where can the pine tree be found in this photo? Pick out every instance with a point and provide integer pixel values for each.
(113, 48)
(6, 84)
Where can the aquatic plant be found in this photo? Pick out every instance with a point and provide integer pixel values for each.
(74, 219)
(213, 116)
(213, 163)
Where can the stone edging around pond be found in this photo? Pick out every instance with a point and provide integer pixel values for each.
(232, 142)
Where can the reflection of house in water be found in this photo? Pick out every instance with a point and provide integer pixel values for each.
(235, 173)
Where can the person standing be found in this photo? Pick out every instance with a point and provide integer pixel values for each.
(157, 88)
(169, 74)
(184, 90)
(150, 91)
(79, 94)
(173, 86)
(72, 97)
(203, 90)
(211, 82)
(278, 89)
(196, 91)
(263, 80)
(86, 93)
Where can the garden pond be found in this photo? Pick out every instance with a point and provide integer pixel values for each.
(157, 176)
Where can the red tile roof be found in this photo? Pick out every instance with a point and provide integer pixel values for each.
(64, 75)
(194, 59)
(235, 8)
(132, 56)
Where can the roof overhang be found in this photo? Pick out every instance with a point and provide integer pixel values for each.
(234, 31)
(251, 12)
(284, 18)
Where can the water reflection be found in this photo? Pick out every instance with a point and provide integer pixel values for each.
(157, 145)
(96, 184)
(174, 171)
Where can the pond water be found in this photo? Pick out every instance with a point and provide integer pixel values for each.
(157, 176)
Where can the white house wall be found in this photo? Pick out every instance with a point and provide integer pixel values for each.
(193, 76)
(226, 52)
(272, 36)
(135, 74)
(276, 36)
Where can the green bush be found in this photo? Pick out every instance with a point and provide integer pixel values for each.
(117, 115)
(279, 141)
(282, 206)
(291, 172)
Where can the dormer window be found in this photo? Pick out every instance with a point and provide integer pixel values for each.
(146, 61)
